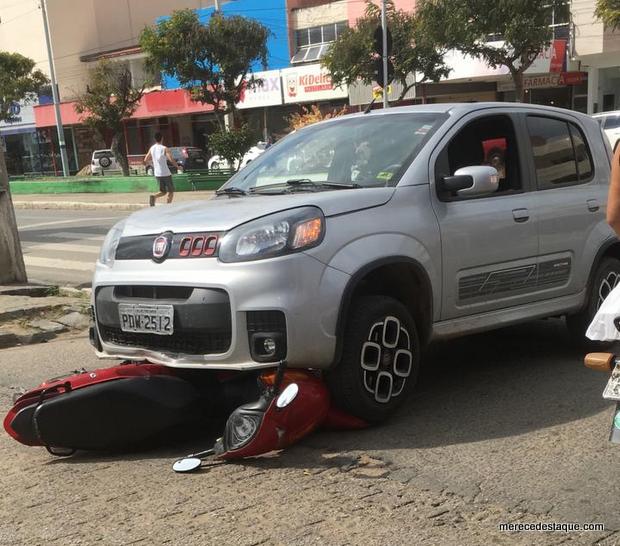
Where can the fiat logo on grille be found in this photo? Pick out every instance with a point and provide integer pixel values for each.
(161, 246)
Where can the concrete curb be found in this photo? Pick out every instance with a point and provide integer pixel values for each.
(77, 205)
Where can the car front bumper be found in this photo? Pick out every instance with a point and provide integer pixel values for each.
(305, 290)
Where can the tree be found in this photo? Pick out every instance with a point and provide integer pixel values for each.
(212, 61)
(467, 24)
(351, 57)
(314, 115)
(19, 81)
(608, 11)
(110, 99)
(232, 144)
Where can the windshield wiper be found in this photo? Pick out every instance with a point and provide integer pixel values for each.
(301, 184)
(231, 191)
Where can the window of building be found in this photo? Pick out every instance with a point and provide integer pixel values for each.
(561, 156)
(313, 43)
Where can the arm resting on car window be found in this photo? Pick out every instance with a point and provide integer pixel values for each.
(613, 200)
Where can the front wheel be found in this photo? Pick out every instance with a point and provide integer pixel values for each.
(605, 279)
(380, 359)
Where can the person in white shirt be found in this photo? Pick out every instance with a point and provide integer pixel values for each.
(159, 156)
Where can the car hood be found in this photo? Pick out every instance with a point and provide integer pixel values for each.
(225, 213)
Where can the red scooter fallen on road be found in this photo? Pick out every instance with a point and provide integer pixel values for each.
(134, 405)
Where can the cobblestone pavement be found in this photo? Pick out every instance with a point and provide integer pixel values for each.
(505, 427)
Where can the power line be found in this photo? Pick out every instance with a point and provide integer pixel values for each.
(18, 16)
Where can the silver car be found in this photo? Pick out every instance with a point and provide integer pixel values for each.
(351, 244)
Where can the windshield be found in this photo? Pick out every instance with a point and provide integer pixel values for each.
(363, 151)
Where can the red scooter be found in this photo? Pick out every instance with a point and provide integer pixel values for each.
(137, 404)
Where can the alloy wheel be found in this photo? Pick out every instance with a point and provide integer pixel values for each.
(386, 359)
(608, 283)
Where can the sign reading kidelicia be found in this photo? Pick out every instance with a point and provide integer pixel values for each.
(309, 83)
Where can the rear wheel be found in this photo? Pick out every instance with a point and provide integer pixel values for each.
(605, 279)
(380, 359)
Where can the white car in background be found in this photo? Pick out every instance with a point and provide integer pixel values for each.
(103, 161)
(610, 122)
(219, 163)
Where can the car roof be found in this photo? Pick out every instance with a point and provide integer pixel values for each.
(103, 150)
(606, 114)
(460, 108)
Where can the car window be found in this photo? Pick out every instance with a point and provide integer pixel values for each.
(103, 153)
(490, 141)
(612, 122)
(372, 150)
(558, 148)
(195, 154)
(585, 168)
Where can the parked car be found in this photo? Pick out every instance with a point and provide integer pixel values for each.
(189, 158)
(357, 241)
(103, 161)
(219, 163)
(610, 122)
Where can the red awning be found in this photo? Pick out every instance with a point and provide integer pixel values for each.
(152, 105)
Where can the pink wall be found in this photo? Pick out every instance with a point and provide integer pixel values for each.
(356, 9)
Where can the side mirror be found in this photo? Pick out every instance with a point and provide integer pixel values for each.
(472, 181)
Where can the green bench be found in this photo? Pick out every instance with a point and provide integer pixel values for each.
(208, 180)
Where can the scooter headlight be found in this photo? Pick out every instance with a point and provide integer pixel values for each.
(241, 427)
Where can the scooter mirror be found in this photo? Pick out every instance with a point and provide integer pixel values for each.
(287, 395)
(188, 464)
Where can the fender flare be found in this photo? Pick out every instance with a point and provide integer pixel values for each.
(353, 283)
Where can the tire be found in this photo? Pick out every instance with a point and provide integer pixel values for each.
(367, 382)
(605, 279)
(105, 162)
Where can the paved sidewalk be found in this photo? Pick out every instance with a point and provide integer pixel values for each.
(94, 201)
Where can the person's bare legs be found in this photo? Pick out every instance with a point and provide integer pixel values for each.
(170, 196)
(153, 198)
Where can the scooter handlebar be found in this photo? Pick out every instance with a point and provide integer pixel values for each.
(602, 362)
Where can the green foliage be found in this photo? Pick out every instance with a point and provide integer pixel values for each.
(210, 60)
(351, 56)
(608, 11)
(19, 81)
(109, 100)
(466, 25)
(232, 144)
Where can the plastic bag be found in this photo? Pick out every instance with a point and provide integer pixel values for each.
(602, 327)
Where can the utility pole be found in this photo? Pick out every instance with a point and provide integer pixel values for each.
(217, 5)
(50, 57)
(385, 54)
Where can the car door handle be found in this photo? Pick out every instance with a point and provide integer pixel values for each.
(593, 205)
(521, 215)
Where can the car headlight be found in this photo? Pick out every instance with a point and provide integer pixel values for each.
(110, 244)
(274, 235)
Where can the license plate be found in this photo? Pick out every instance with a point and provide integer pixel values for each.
(146, 319)
(612, 390)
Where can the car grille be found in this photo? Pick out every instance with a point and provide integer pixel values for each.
(179, 342)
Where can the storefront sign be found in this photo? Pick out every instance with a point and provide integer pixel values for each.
(310, 83)
(21, 118)
(267, 93)
(541, 80)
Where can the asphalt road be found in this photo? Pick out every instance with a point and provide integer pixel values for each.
(61, 246)
(504, 427)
